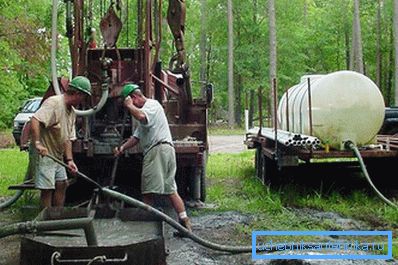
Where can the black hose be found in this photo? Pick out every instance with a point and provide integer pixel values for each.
(10, 201)
(350, 145)
(53, 225)
(176, 225)
(164, 217)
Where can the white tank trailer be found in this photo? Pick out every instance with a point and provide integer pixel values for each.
(345, 106)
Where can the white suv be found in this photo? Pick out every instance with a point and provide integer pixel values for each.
(26, 111)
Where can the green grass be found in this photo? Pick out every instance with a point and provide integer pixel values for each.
(13, 165)
(233, 187)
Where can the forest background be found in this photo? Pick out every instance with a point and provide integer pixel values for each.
(238, 46)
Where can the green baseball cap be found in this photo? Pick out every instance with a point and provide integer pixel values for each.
(81, 84)
(128, 89)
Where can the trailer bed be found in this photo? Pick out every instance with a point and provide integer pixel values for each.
(273, 157)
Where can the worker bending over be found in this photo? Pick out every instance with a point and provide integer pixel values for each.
(159, 164)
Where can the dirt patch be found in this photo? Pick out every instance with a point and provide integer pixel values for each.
(6, 140)
(218, 227)
(9, 246)
(9, 250)
(221, 228)
(226, 144)
(342, 223)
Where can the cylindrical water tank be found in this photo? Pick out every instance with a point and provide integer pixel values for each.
(346, 105)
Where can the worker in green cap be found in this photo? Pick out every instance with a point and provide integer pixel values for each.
(53, 129)
(159, 163)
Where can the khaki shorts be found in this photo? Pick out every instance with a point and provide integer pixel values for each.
(158, 171)
(47, 173)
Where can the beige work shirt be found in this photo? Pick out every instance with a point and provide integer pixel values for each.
(57, 125)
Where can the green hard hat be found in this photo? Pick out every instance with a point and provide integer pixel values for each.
(81, 84)
(128, 89)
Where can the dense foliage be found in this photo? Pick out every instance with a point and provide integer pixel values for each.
(313, 36)
(24, 53)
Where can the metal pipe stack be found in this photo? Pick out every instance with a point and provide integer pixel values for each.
(389, 141)
(288, 138)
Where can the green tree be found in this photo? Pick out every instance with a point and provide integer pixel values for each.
(24, 49)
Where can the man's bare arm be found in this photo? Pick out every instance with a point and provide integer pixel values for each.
(35, 129)
(134, 111)
(69, 156)
(68, 150)
(137, 114)
(131, 142)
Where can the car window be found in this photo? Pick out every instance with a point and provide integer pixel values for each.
(31, 106)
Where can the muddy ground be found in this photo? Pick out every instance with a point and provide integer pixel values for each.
(215, 226)
(218, 227)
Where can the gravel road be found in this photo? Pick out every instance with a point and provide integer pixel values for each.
(227, 144)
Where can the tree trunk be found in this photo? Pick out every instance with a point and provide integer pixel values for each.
(238, 99)
(239, 79)
(396, 51)
(272, 52)
(202, 46)
(140, 22)
(357, 56)
(389, 74)
(347, 24)
(251, 108)
(231, 96)
(347, 49)
(378, 46)
(208, 59)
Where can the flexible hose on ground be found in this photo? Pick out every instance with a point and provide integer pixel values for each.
(52, 225)
(11, 201)
(176, 225)
(354, 148)
(162, 216)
